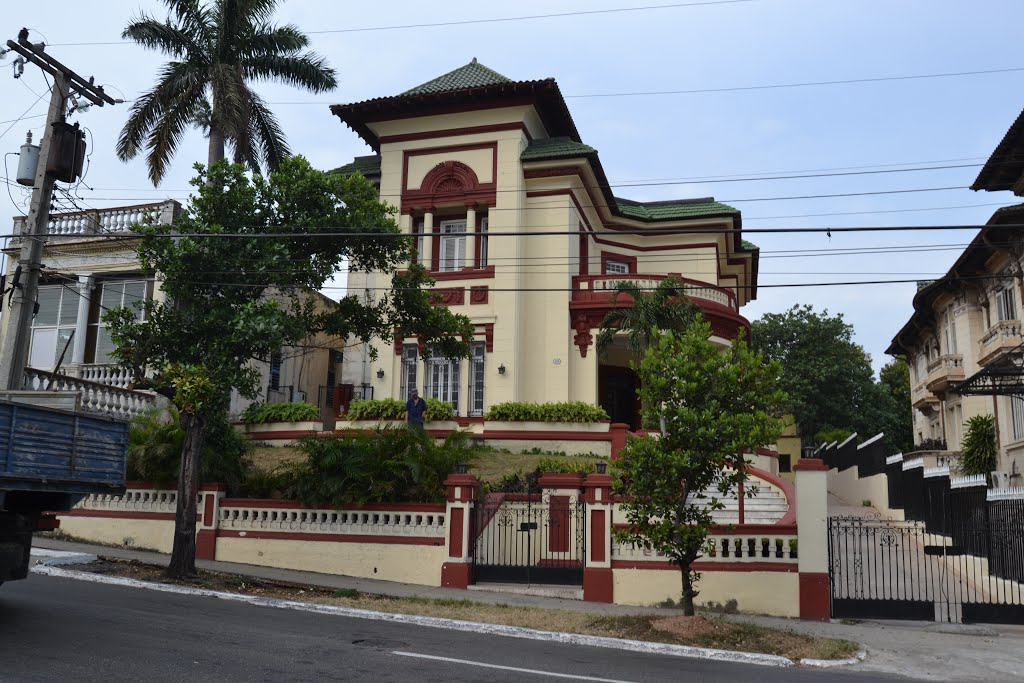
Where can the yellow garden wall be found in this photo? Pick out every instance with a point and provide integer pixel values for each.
(146, 534)
(774, 593)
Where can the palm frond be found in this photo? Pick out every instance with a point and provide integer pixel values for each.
(148, 109)
(274, 40)
(308, 71)
(167, 133)
(163, 36)
(268, 136)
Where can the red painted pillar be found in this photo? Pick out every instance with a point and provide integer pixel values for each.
(206, 530)
(812, 538)
(462, 491)
(618, 431)
(598, 583)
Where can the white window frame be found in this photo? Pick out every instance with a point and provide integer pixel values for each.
(1006, 306)
(410, 359)
(457, 244)
(442, 377)
(53, 333)
(612, 267)
(1017, 417)
(102, 326)
(420, 236)
(483, 241)
(951, 346)
(477, 360)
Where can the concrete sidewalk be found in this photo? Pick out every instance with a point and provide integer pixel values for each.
(923, 650)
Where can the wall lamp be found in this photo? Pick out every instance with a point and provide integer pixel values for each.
(501, 369)
(602, 467)
(380, 373)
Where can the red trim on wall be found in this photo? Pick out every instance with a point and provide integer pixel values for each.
(464, 274)
(733, 530)
(811, 465)
(289, 434)
(365, 507)
(607, 256)
(448, 296)
(455, 524)
(327, 538)
(558, 524)
(787, 489)
(124, 514)
(598, 584)
(815, 604)
(456, 574)
(453, 132)
(206, 544)
(598, 539)
(208, 506)
(438, 185)
(478, 295)
(662, 565)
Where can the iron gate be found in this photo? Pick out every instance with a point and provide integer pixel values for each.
(887, 569)
(529, 538)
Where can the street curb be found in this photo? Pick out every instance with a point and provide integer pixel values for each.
(857, 658)
(48, 568)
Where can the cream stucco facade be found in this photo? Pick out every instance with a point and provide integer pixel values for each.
(543, 242)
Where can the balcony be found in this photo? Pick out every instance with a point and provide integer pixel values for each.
(601, 289)
(924, 400)
(92, 397)
(1001, 338)
(103, 221)
(943, 370)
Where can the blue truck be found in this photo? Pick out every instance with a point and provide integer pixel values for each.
(49, 460)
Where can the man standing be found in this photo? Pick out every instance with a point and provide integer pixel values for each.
(415, 409)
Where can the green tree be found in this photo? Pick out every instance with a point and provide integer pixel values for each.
(665, 308)
(828, 377)
(716, 405)
(894, 383)
(218, 50)
(978, 452)
(250, 295)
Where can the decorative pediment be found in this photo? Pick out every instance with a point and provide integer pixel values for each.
(450, 177)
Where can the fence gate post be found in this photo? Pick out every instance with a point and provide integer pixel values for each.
(598, 583)
(206, 531)
(462, 490)
(812, 538)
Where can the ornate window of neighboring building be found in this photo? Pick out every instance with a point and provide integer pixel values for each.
(52, 325)
(1017, 417)
(1006, 306)
(482, 242)
(476, 379)
(410, 355)
(419, 243)
(443, 380)
(453, 246)
(114, 294)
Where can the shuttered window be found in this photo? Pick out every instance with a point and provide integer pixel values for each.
(453, 246)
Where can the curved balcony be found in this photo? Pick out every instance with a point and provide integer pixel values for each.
(1001, 338)
(943, 370)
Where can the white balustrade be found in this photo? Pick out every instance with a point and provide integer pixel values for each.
(741, 548)
(423, 524)
(95, 221)
(96, 398)
(608, 283)
(133, 500)
(108, 374)
(1002, 330)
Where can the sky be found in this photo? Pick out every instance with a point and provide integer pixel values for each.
(658, 143)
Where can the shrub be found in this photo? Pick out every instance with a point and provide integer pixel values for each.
(551, 465)
(565, 411)
(261, 482)
(978, 453)
(931, 445)
(376, 409)
(258, 413)
(393, 465)
(393, 409)
(154, 450)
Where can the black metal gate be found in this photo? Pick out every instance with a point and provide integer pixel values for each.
(529, 538)
(887, 569)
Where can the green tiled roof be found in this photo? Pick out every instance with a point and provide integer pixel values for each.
(368, 166)
(555, 148)
(668, 210)
(472, 75)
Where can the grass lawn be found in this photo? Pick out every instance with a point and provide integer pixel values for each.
(671, 627)
(491, 465)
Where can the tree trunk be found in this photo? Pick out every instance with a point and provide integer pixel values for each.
(215, 151)
(688, 593)
(183, 556)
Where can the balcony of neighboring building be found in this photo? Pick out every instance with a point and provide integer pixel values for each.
(92, 222)
(999, 340)
(943, 370)
(922, 399)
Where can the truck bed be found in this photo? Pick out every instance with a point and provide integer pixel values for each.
(50, 450)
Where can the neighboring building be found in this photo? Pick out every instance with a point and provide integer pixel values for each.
(474, 149)
(86, 273)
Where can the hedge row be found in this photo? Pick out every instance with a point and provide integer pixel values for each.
(393, 409)
(565, 411)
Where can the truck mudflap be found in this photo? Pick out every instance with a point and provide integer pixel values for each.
(15, 546)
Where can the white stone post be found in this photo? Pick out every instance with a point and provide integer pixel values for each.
(470, 261)
(428, 239)
(812, 538)
(85, 283)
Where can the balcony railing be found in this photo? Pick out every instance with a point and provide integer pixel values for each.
(108, 374)
(943, 370)
(96, 397)
(589, 287)
(97, 221)
(1000, 338)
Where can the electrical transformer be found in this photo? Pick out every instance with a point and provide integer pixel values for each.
(67, 152)
(28, 162)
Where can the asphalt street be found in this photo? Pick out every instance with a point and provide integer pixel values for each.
(61, 629)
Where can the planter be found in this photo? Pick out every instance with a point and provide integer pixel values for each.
(311, 426)
(516, 426)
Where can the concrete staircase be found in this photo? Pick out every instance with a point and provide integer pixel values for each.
(767, 506)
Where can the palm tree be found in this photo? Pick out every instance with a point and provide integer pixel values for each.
(664, 308)
(218, 48)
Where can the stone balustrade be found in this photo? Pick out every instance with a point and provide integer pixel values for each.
(105, 373)
(95, 221)
(96, 398)
(693, 288)
(734, 546)
(133, 500)
(1001, 337)
(281, 516)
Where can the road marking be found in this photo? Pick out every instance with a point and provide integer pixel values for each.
(485, 665)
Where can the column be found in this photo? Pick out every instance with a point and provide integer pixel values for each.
(462, 490)
(598, 579)
(428, 239)
(206, 531)
(471, 238)
(85, 283)
(407, 226)
(812, 538)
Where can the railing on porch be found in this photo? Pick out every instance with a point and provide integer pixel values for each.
(96, 398)
(589, 285)
(103, 373)
(96, 221)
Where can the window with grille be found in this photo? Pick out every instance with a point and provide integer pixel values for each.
(483, 242)
(1006, 307)
(1017, 416)
(52, 326)
(476, 379)
(453, 246)
(275, 370)
(443, 380)
(410, 354)
(116, 294)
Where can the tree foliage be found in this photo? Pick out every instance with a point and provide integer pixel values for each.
(234, 300)
(978, 454)
(827, 376)
(716, 405)
(217, 49)
(898, 417)
(665, 308)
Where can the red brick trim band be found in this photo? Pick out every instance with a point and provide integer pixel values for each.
(780, 567)
(124, 514)
(598, 585)
(329, 538)
(810, 464)
(815, 603)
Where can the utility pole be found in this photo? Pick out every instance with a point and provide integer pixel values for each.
(22, 306)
